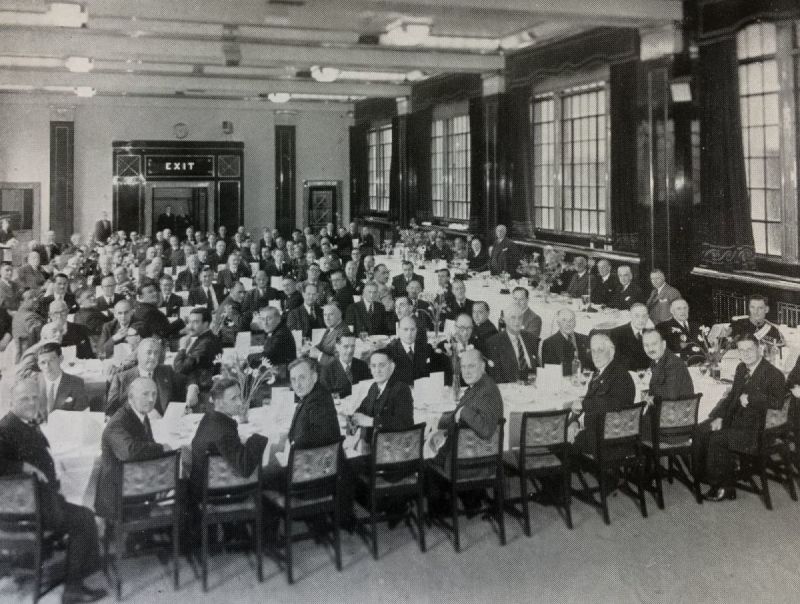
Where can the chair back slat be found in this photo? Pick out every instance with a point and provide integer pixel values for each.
(544, 430)
(150, 477)
(680, 413)
(472, 446)
(623, 423)
(17, 496)
(399, 447)
(778, 418)
(221, 475)
(314, 464)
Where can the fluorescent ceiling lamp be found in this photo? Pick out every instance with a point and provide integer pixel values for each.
(85, 91)
(405, 33)
(15, 88)
(341, 98)
(59, 14)
(681, 90)
(79, 64)
(324, 74)
(279, 97)
(418, 33)
(30, 62)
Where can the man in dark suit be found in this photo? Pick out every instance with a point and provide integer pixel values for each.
(566, 344)
(279, 345)
(512, 353)
(278, 267)
(367, 315)
(582, 280)
(197, 352)
(72, 334)
(756, 323)
(31, 275)
(735, 422)
(483, 327)
(308, 316)
(342, 292)
(342, 372)
(217, 434)
(628, 293)
(324, 350)
(458, 304)
(146, 312)
(680, 334)
(412, 358)
(259, 297)
(10, 293)
(108, 299)
(60, 292)
(315, 423)
(628, 340)
(166, 220)
(170, 386)
(670, 379)
(207, 294)
(604, 288)
(233, 272)
(127, 436)
(115, 331)
(174, 255)
(102, 229)
(611, 388)
(389, 404)
(61, 390)
(504, 255)
(290, 297)
(189, 278)
(89, 315)
(531, 322)
(400, 282)
(218, 255)
(170, 303)
(24, 449)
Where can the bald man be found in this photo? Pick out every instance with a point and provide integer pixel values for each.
(411, 357)
(563, 346)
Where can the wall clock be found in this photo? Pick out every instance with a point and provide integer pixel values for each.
(180, 130)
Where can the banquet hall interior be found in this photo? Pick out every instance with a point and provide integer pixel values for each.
(399, 301)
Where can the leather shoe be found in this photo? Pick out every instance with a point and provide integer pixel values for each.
(82, 593)
(720, 494)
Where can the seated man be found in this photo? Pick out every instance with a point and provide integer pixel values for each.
(400, 282)
(513, 352)
(290, 297)
(755, 323)
(679, 332)
(628, 293)
(218, 434)
(233, 272)
(207, 294)
(368, 315)
(259, 297)
(324, 350)
(342, 291)
(459, 303)
(605, 286)
(126, 437)
(170, 386)
(483, 327)
(71, 333)
(169, 302)
(197, 352)
(661, 298)
(61, 390)
(403, 308)
(342, 372)
(146, 312)
(26, 324)
(189, 278)
(411, 358)
(670, 379)
(60, 292)
(307, 316)
(531, 322)
(628, 340)
(115, 331)
(579, 284)
(315, 422)
(230, 318)
(611, 388)
(279, 345)
(88, 314)
(736, 420)
(566, 344)
(24, 449)
(10, 292)
(31, 275)
(389, 404)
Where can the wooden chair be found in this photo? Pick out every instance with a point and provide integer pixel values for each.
(311, 489)
(396, 472)
(673, 428)
(543, 452)
(22, 536)
(774, 437)
(149, 498)
(472, 464)
(618, 447)
(229, 498)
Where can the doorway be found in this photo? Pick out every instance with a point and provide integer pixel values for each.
(190, 204)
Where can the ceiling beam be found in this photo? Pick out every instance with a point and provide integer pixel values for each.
(55, 43)
(158, 84)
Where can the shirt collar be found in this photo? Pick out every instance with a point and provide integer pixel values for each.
(141, 416)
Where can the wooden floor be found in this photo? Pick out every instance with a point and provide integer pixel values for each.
(725, 552)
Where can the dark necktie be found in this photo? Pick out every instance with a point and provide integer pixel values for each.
(147, 430)
(411, 355)
(639, 337)
(348, 371)
(210, 299)
(311, 313)
(523, 363)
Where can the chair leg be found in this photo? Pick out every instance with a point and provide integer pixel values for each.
(204, 552)
(786, 455)
(454, 511)
(640, 477)
(499, 497)
(696, 478)
(119, 547)
(373, 523)
(659, 483)
(670, 470)
(566, 488)
(421, 517)
(288, 529)
(762, 470)
(258, 530)
(37, 571)
(337, 533)
(523, 493)
(602, 479)
(176, 548)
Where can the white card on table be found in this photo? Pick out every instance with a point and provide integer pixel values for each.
(254, 267)
(69, 353)
(549, 377)
(275, 304)
(184, 312)
(276, 282)
(356, 243)
(184, 295)
(297, 334)
(247, 282)
(437, 380)
(243, 341)
(316, 335)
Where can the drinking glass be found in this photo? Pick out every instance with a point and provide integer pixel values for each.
(587, 375)
(703, 369)
(337, 399)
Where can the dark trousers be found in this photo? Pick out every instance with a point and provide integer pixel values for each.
(78, 523)
(714, 455)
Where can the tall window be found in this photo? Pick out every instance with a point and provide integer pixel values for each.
(570, 163)
(380, 162)
(450, 166)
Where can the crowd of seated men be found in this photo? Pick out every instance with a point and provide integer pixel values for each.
(115, 289)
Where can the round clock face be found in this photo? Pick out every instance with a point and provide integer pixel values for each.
(181, 130)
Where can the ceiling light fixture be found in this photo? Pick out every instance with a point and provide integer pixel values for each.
(58, 14)
(85, 92)
(324, 74)
(279, 97)
(79, 64)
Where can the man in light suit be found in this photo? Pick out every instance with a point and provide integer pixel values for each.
(342, 372)
(170, 386)
(324, 350)
(207, 294)
(531, 322)
(61, 390)
(127, 436)
(513, 352)
(661, 298)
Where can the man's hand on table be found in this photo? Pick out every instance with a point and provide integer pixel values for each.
(716, 424)
(364, 421)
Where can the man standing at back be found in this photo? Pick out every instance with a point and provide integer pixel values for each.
(504, 256)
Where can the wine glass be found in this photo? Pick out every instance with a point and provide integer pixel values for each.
(585, 300)
(337, 398)
(704, 369)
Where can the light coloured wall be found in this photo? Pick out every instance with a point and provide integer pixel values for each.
(322, 144)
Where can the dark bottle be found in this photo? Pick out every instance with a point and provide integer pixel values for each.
(501, 323)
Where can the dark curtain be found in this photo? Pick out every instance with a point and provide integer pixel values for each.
(725, 202)
(359, 185)
(420, 124)
(521, 212)
(398, 177)
(479, 177)
(624, 120)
